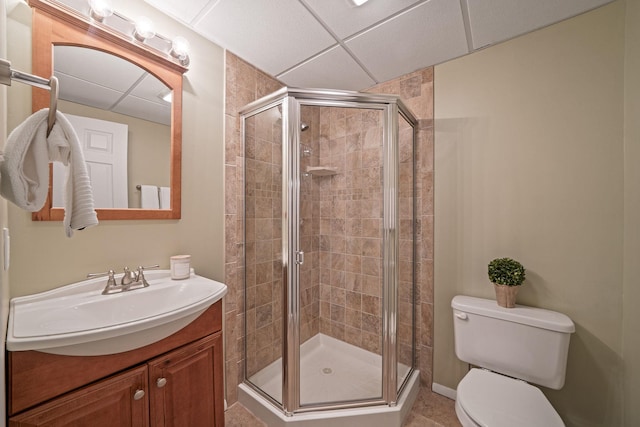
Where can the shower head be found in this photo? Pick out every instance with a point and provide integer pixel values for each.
(303, 126)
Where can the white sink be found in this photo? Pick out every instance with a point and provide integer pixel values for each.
(78, 320)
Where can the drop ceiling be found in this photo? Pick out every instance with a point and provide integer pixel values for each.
(125, 89)
(334, 44)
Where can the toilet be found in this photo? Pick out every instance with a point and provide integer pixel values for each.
(509, 349)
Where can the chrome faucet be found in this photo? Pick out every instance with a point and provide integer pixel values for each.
(127, 282)
(127, 277)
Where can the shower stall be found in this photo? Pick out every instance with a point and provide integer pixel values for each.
(329, 253)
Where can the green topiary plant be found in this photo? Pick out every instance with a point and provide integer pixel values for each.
(506, 271)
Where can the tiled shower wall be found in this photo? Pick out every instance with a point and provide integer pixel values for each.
(244, 83)
(351, 226)
(263, 238)
(310, 226)
(416, 90)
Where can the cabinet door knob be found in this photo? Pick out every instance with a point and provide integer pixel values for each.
(139, 394)
(161, 382)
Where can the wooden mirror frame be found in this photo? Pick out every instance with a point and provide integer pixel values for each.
(55, 24)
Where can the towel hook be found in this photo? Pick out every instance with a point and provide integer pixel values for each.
(53, 103)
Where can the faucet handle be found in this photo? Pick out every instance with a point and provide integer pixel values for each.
(140, 274)
(111, 281)
(109, 273)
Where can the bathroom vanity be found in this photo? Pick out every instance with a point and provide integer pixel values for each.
(177, 381)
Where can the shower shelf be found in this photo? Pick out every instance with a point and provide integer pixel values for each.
(321, 170)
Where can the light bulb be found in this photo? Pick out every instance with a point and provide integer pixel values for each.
(180, 50)
(100, 9)
(143, 29)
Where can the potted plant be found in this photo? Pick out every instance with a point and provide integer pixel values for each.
(506, 275)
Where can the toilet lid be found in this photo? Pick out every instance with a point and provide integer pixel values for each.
(493, 400)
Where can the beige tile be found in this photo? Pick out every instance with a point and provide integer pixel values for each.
(426, 326)
(353, 263)
(338, 296)
(239, 416)
(417, 420)
(371, 305)
(410, 87)
(353, 282)
(435, 408)
(354, 319)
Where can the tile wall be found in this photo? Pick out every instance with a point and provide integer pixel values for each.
(310, 225)
(351, 226)
(416, 90)
(263, 241)
(244, 83)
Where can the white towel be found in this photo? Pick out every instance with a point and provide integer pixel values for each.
(64, 146)
(165, 198)
(25, 170)
(149, 197)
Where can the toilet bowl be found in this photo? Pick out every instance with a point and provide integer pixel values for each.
(485, 398)
(514, 347)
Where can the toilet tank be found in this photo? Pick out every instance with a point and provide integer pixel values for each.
(523, 342)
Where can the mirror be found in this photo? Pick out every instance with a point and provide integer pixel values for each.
(126, 99)
(122, 115)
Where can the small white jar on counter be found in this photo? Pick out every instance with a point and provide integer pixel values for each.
(180, 267)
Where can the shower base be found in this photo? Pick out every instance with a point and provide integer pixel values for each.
(330, 371)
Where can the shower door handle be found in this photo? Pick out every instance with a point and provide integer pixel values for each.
(300, 257)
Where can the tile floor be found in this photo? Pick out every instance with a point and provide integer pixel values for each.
(429, 410)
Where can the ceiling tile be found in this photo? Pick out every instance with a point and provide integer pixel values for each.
(492, 21)
(273, 39)
(428, 34)
(183, 10)
(86, 93)
(90, 64)
(151, 89)
(333, 69)
(138, 107)
(345, 19)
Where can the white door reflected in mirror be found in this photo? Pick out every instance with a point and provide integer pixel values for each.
(104, 144)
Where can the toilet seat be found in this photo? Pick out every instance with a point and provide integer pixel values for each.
(493, 400)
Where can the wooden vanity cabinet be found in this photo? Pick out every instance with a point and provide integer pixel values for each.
(109, 403)
(181, 390)
(173, 385)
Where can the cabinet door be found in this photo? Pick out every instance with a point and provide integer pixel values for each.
(117, 401)
(186, 386)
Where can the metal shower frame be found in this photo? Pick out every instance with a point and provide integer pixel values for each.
(291, 99)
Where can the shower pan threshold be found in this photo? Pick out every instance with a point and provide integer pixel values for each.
(331, 370)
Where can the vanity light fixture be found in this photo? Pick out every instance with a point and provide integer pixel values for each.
(180, 50)
(359, 2)
(99, 10)
(143, 29)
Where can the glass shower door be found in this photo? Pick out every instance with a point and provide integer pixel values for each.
(341, 234)
(406, 251)
(263, 197)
